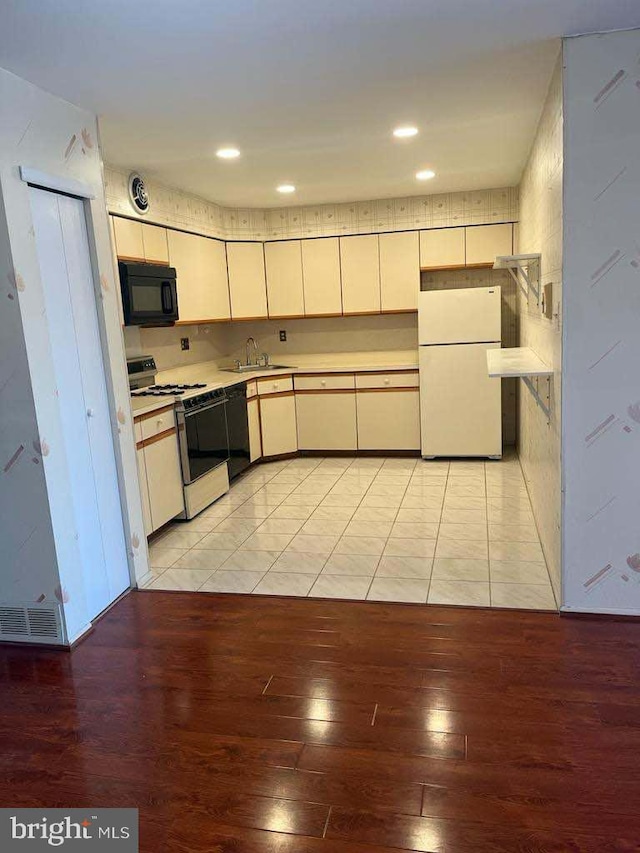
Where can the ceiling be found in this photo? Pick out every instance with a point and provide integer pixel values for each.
(308, 91)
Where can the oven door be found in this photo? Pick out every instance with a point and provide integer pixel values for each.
(204, 440)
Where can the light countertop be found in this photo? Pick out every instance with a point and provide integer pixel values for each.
(210, 372)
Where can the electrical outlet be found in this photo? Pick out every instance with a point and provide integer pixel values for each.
(184, 343)
(283, 335)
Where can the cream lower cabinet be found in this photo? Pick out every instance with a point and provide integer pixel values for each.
(164, 479)
(255, 439)
(278, 424)
(388, 420)
(326, 420)
(159, 469)
(388, 409)
(144, 491)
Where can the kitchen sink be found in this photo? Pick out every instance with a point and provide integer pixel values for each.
(255, 368)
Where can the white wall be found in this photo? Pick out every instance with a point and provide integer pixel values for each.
(601, 359)
(37, 530)
(540, 230)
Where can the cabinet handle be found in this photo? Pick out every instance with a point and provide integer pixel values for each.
(387, 381)
(323, 382)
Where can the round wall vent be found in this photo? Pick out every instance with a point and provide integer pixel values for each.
(138, 193)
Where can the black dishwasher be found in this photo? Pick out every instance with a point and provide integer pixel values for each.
(238, 425)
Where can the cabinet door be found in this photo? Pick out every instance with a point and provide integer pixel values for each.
(399, 271)
(283, 264)
(201, 270)
(247, 281)
(360, 263)
(144, 491)
(278, 424)
(128, 234)
(486, 242)
(255, 441)
(441, 248)
(164, 478)
(321, 276)
(154, 242)
(326, 420)
(388, 420)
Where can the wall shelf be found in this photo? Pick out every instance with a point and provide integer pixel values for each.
(522, 268)
(523, 363)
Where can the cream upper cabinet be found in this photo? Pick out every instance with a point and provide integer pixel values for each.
(201, 273)
(321, 276)
(399, 271)
(128, 235)
(154, 244)
(283, 264)
(486, 242)
(442, 247)
(247, 282)
(360, 261)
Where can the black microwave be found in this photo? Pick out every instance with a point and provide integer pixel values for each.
(149, 294)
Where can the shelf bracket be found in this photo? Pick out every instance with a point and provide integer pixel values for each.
(544, 405)
(520, 267)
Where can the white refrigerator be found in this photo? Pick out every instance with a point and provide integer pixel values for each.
(460, 404)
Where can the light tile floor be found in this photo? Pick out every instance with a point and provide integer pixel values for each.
(382, 529)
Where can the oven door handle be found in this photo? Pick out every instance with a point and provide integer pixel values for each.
(188, 412)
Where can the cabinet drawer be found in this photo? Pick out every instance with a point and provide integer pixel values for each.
(157, 422)
(398, 379)
(324, 382)
(252, 389)
(275, 386)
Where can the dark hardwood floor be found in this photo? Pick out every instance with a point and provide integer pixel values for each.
(242, 724)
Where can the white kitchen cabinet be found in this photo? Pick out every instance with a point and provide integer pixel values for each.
(247, 283)
(283, 265)
(144, 491)
(128, 235)
(255, 440)
(388, 420)
(278, 424)
(164, 478)
(201, 277)
(399, 271)
(360, 261)
(441, 248)
(321, 277)
(485, 242)
(154, 244)
(326, 420)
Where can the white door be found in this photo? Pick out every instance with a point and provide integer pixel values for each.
(460, 405)
(464, 315)
(70, 298)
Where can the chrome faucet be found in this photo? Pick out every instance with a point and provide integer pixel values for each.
(255, 350)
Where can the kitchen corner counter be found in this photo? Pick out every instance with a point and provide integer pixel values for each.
(214, 377)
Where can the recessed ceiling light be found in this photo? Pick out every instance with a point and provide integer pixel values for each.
(425, 175)
(405, 132)
(227, 153)
(286, 188)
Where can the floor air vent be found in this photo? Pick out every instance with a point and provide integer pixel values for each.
(31, 623)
